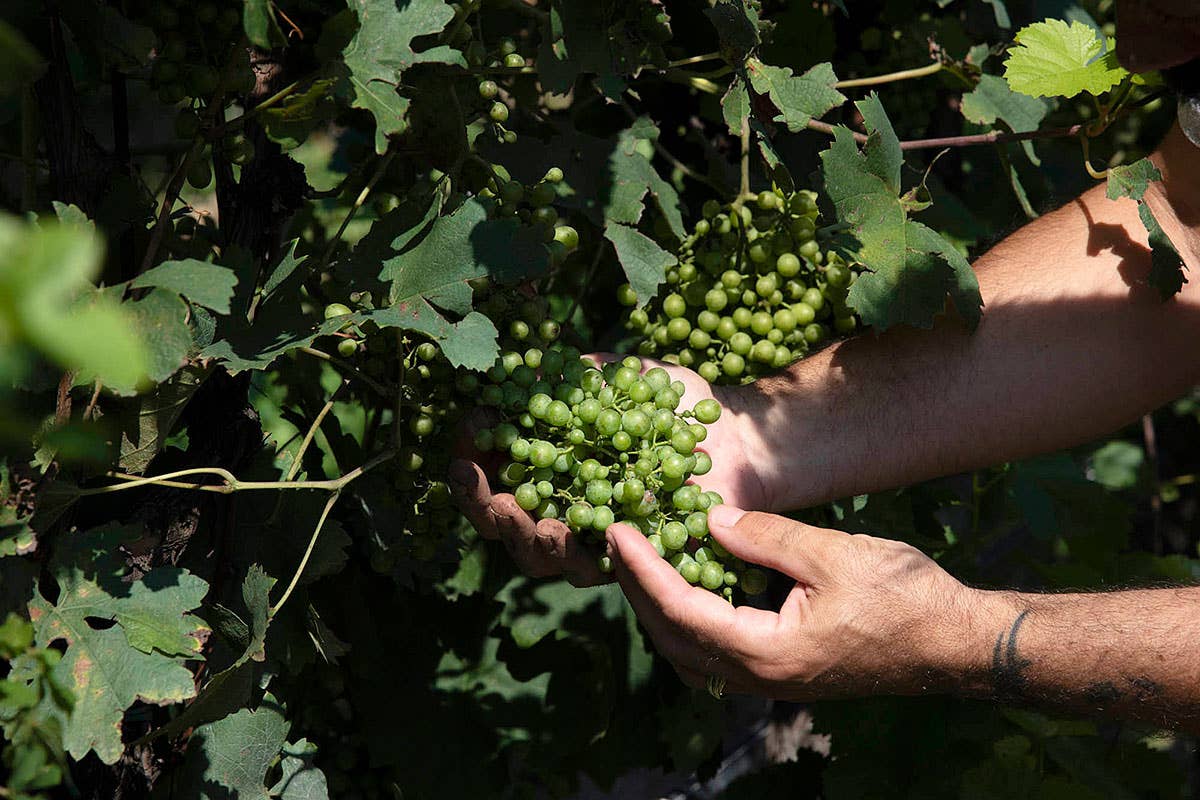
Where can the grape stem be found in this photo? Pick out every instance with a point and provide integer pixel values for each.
(891, 77)
(378, 387)
(312, 432)
(376, 176)
(230, 483)
(312, 543)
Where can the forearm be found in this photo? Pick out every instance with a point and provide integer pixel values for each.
(1073, 344)
(1132, 654)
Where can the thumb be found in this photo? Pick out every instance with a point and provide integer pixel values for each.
(791, 547)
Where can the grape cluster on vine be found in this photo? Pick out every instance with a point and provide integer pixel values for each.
(754, 289)
(592, 446)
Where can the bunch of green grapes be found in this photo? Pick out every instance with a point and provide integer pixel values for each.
(593, 446)
(533, 205)
(191, 67)
(754, 290)
(492, 108)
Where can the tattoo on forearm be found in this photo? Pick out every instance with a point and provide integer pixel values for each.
(1008, 667)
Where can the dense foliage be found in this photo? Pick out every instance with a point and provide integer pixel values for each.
(264, 262)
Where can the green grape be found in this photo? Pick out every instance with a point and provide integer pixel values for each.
(527, 496)
(498, 112)
(488, 89)
(514, 60)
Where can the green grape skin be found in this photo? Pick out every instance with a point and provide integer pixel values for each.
(336, 310)
(527, 496)
(708, 411)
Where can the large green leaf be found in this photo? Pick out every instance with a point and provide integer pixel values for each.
(383, 48)
(141, 657)
(160, 320)
(1056, 59)
(230, 689)
(911, 268)
(229, 759)
(209, 285)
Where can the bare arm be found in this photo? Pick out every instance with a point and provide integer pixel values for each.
(1131, 654)
(1073, 344)
(871, 616)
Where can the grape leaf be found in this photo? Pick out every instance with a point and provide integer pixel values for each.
(737, 29)
(584, 39)
(260, 25)
(1131, 180)
(146, 421)
(301, 778)
(799, 98)
(644, 262)
(458, 247)
(141, 657)
(1166, 266)
(229, 759)
(382, 49)
(209, 285)
(470, 342)
(735, 106)
(290, 121)
(1056, 59)
(911, 268)
(160, 320)
(230, 688)
(992, 100)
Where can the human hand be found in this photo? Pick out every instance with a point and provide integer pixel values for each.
(866, 615)
(543, 548)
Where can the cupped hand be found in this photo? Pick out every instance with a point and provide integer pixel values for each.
(543, 548)
(864, 616)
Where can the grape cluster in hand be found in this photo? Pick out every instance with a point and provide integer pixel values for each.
(754, 290)
(593, 446)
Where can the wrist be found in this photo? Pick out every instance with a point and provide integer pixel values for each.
(968, 645)
(780, 431)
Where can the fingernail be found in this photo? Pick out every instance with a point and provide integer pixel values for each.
(462, 474)
(724, 516)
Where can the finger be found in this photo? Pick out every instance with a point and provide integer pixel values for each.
(470, 491)
(519, 534)
(573, 558)
(799, 550)
(688, 623)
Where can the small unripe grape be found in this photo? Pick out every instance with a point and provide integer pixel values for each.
(553, 175)
(336, 310)
(347, 347)
(514, 60)
(626, 296)
(569, 238)
(488, 89)
(498, 112)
